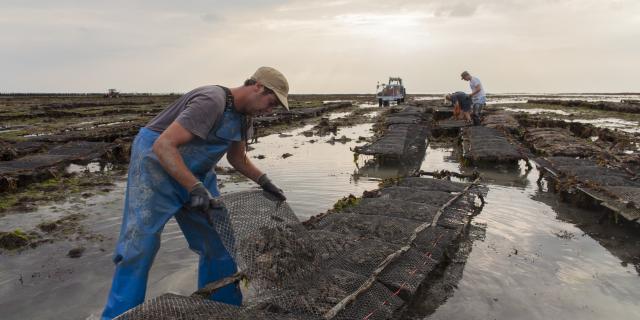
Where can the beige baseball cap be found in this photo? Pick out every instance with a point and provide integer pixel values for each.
(274, 80)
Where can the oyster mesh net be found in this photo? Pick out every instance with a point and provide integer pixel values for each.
(404, 136)
(489, 145)
(299, 273)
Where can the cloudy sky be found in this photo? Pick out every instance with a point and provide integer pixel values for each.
(322, 46)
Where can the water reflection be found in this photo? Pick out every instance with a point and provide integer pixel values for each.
(534, 266)
(511, 175)
(610, 123)
(523, 98)
(441, 158)
(374, 169)
(318, 174)
(621, 239)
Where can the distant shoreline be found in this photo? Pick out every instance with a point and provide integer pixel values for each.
(74, 94)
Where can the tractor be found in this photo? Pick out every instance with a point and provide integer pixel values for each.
(392, 91)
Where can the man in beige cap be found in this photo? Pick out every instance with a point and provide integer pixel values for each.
(171, 175)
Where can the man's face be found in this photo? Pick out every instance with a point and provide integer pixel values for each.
(262, 102)
(466, 77)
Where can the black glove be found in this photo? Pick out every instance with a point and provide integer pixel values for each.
(216, 211)
(271, 188)
(200, 198)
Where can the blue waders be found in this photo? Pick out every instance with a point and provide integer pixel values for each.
(153, 197)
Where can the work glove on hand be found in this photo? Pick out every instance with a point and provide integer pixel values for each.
(271, 188)
(200, 198)
(215, 211)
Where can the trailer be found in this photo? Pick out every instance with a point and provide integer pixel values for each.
(392, 91)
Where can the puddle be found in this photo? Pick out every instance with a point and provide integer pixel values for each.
(112, 123)
(440, 159)
(538, 111)
(81, 127)
(334, 101)
(507, 100)
(566, 97)
(610, 123)
(431, 98)
(91, 167)
(372, 114)
(30, 220)
(5, 129)
(84, 122)
(593, 98)
(317, 174)
(368, 105)
(8, 130)
(337, 115)
(523, 98)
(37, 134)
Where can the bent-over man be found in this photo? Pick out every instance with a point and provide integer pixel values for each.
(462, 101)
(171, 175)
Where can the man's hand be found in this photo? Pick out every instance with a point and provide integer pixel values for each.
(271, 188)
(215, 211)
(200, 197)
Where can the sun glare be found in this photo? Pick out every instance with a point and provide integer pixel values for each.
(392, 28)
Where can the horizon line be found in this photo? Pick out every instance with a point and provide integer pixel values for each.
(303, 93)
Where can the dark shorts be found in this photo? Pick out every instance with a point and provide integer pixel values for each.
(465, 107)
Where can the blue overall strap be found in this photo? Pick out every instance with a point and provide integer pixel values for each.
(230, 106)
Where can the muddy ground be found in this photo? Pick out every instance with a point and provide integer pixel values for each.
(32, 128)
(54, 216)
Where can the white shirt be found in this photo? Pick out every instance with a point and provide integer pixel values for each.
(480, 96)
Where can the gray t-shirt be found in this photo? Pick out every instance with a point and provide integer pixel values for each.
(479, 97)
(197, 111)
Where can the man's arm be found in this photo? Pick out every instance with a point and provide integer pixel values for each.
(237, 157)
(166, 148)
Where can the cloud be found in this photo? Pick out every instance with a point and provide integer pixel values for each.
(323, 46)
(458, 10)
(210, 17)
